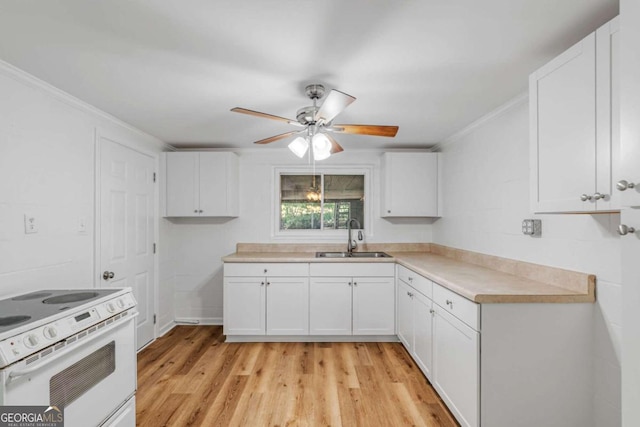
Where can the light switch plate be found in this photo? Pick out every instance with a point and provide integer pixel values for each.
(30, 224)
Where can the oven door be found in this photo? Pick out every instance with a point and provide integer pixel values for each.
(90, 378)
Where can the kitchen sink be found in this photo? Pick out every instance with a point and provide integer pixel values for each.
(352, 255)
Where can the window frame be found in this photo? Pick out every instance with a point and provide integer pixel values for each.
(322, 234)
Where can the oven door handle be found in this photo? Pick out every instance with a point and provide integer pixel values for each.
(17, 374)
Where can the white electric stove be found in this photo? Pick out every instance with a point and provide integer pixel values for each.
(73, 349)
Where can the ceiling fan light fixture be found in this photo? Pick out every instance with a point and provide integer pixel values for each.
(321, 146)
(299, 146)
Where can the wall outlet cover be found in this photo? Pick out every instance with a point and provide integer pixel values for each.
(30, 224)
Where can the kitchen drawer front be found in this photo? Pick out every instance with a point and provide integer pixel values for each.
(462, 308)
(418, 282)
(266, 269)
(348, 269)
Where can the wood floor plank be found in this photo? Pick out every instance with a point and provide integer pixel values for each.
(191, 377)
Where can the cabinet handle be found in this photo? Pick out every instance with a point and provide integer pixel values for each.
(195, 211)
(355, 283)
(268, 283)
(623, 184)
(585, 197)
(349, 283)
(200, 211)
(599, 196)
(623, 230)
(265, 271)
(432, 311)
(411, 279)
(449, 303)
(388, 211)
(261, 283)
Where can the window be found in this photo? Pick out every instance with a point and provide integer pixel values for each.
(321, 201)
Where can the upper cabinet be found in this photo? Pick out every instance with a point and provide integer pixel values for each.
(574, 127)
(410, 185)
(202, 184)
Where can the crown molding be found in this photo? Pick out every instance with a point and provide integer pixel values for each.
(504, 108)
(27, 79)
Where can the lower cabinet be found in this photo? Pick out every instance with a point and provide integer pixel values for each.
(273, 302)
(445, 348)
(456, 359)
(352, 306)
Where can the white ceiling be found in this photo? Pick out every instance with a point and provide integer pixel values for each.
(174, 68)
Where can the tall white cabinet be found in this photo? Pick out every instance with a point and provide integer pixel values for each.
(574, 131)
(630, 199)
(201, 184)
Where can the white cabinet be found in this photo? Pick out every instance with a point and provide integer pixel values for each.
(456, 359)
(444, 346)
(352, 299)
(573, 128)
(201, 184)
(271, 299)
(244, 306)
(410, 185)
(415, 320)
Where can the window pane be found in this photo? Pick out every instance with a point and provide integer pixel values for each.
(300, 205)
(343, 199)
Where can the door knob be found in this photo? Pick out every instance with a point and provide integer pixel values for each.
(108, 275)
(623, 184)
(585, 197)
(623, 230)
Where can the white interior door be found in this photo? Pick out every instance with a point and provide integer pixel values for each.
(127, 218)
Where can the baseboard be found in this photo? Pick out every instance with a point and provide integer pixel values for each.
(166, 328)
(199, 321)
(312, 338)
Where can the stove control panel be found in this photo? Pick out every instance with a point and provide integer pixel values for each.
(30, 342)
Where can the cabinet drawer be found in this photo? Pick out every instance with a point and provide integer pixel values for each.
(266, 269)
(418, 282)
(462, 308)
(347, 269)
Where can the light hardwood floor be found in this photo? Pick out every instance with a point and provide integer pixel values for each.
(191, 377)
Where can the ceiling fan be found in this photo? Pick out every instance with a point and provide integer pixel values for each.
(317, 124)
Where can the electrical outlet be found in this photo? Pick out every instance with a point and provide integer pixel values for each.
(30, 224)
(532, 227)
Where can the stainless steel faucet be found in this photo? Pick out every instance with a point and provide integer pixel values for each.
(352, 244)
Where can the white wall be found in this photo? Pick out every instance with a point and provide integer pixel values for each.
(47, 170)
(197, 245)
(486, 196)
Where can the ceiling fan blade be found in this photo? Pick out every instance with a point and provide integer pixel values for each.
(335, 147)
(389, 131)
(332, 106)
(276, 137)
(265, 115)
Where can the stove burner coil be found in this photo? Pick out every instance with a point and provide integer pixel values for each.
(67, 298)
(13, 320)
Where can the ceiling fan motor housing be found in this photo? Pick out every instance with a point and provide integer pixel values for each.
(314, 91)
(306, 115)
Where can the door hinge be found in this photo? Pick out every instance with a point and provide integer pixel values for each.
(154, 177)
(154, 248)
(154, 319)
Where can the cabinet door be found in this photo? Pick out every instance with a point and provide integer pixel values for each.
(423, 333)
(330, 306)
(410, 187)
(287, 306)
(405, 315)
(215, 184)
(608, 115)
(182, 184)
(630, 102)
(244, 306)
(373, 306)
(562, 98)
(456, 352)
